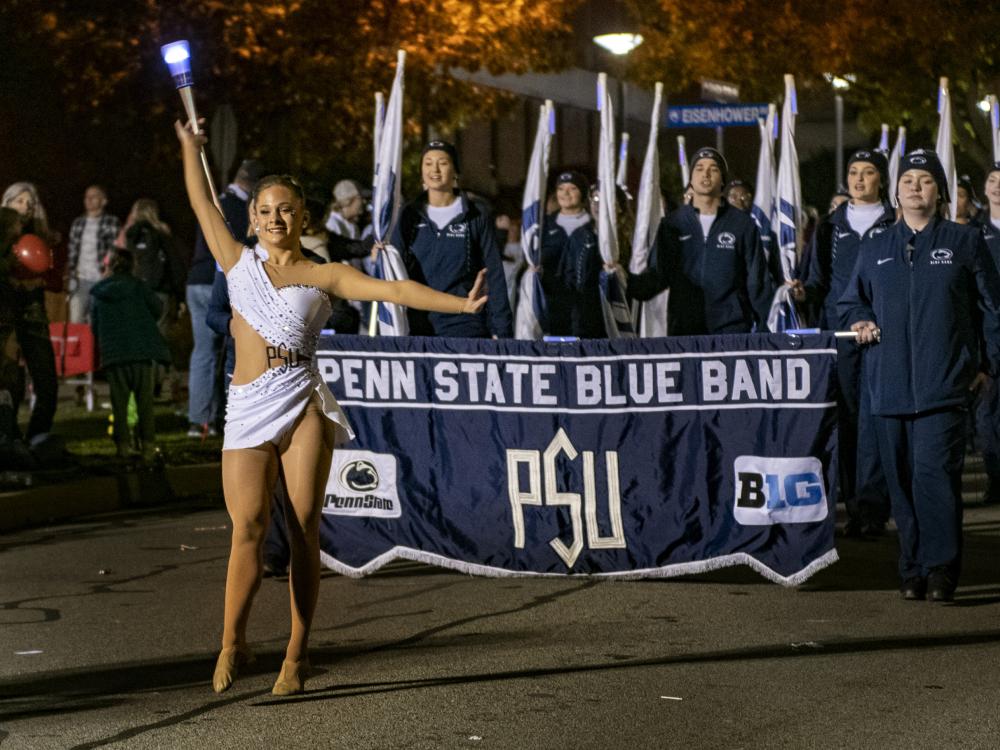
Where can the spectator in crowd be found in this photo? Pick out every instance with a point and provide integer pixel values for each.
(446, 239)
(31, 321)
(841, 196)
(922, 294)
(508, 234)
(833, 253)
(91, 237)
(13, 453)
(203, 405)
(739, 194)
(149, 239)
(966, 208)
(346, 210)
(571, 263)
(124, 315)
(709, 255)
(988, 402)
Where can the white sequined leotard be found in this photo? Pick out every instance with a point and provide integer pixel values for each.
(291, 318)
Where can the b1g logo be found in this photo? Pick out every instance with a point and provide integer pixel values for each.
(779, 490)
(362, 483)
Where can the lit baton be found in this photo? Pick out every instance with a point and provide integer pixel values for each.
(877, 333)
(177, 56)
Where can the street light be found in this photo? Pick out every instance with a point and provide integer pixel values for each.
(618, 43)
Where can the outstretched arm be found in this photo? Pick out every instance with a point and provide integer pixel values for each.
(349, 283)
(223, 247)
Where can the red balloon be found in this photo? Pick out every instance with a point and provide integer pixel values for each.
(33, 257)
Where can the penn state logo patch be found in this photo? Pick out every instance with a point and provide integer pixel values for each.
(359, 476)
(726, 239)
(941, 256)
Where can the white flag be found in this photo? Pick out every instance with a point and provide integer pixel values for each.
(898, 151)
(530, 320)
(621, 176)
(379, 121)
(944, 148)
(386, 205)
(788, 213)
(614, 304)
(649, 211)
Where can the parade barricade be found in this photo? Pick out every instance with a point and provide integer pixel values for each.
(628, 458)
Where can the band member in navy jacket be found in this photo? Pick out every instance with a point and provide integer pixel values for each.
(571, 263)
(709, 255)
(446, 239)
(988, 411)
(833, 255)
(922, 294)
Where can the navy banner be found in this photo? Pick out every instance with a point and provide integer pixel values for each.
(628, 458)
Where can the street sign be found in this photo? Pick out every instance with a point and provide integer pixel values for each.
(714, 115)
(719, 91)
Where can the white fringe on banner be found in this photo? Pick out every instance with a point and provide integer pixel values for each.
(667, 571)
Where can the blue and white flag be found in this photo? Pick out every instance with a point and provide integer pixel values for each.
(763, 198)
(531, 318)
(387, 203)
(632, 458)
(883, 141)
(614, 302)
(621, 176)
(788, 213)
(995, 125)
(682, 161)
(898, 149)
(648, 213)
(944, 147)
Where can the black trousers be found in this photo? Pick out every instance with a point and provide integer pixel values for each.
(31, 325)
(124, 380)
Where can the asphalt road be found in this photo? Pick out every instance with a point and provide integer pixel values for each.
(415, 657)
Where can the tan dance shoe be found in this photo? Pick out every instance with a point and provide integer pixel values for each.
(292, 678)
(226, 668)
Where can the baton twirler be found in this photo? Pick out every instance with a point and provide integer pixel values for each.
(177, 56)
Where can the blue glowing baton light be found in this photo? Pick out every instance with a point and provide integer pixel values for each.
(177, 56)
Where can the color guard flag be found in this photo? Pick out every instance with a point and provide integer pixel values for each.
(649, 212)
(944, 148)
(898, 149)
(614, 303)
(788, 213)
(386, 205)
(531, 319)
(883, 141)
(995, 125)
(763, 199)
(621, 177)
(683, 161)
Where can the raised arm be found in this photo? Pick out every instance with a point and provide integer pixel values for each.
(221, 244)
(349, 283)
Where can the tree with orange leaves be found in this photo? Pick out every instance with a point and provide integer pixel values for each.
(299, 74)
